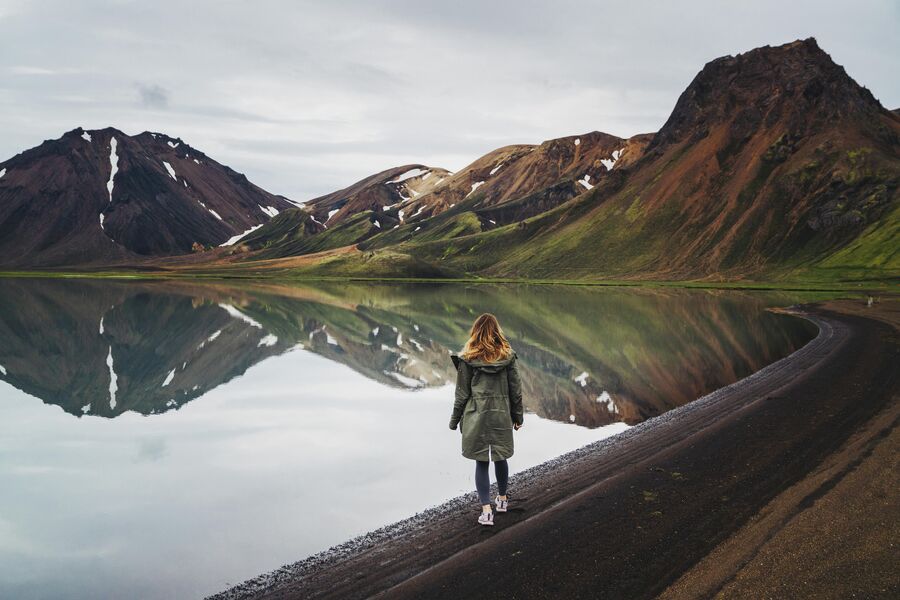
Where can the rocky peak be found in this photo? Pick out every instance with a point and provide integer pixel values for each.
(763, 85)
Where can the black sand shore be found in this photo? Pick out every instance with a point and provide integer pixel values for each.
(783, 485)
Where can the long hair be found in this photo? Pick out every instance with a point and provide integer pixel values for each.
(486, 341)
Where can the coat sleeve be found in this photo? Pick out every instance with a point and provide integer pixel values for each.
(463, 391)
(515, 393)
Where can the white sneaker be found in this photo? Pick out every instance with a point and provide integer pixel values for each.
(486, 518)
(502, 505)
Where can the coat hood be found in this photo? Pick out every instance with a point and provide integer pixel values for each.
(487, 367)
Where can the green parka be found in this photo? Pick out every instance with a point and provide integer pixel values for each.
(488, 402)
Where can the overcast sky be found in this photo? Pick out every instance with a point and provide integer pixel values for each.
(306, 98)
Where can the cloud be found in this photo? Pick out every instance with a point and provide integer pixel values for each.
(307, 97)
(153, 96)
(31, 70)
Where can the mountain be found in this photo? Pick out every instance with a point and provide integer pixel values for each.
(774, 164)
(378, 193)
(102, 196)
(503, 186)
(546, 174)
(347, 216)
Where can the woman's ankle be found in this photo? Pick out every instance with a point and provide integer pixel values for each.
(503, 496)
(486, 508)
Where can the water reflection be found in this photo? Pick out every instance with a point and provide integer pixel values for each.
(256, 425)
(589, 356)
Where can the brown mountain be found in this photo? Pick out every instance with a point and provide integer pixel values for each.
(503, 186)
(547, 174)
(774, 164)
(772, 158)
(378, 193)
(103, 197)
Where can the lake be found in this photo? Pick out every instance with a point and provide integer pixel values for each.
(168, 439)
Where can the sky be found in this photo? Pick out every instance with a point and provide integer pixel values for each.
(309, 97)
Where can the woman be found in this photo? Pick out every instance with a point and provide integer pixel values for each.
(489, 406)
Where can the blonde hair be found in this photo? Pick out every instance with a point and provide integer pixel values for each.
(486, 341)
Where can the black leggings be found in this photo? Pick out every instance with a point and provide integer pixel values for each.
(483, 480)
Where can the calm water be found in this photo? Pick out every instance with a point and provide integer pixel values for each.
(163, 440)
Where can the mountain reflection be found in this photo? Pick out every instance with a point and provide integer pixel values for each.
(589, 356)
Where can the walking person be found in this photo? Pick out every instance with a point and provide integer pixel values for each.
(487, 407)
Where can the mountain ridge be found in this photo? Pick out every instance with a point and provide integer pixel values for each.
(774, 163)
(104, 196)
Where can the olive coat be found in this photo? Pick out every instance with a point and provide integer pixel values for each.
(488, 401)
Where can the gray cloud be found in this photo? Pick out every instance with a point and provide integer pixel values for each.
(153, 96)
(307, 97)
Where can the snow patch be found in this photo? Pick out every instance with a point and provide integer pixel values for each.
(269, 340)
(610, 404)
(407, 381)
(475, 186)
(169, 378)
(377, 224)
(239, 315)
(582, 379)
(2, 172)
(173, 145)
(2, 370)
(86, 136)
(495, 169)
(170, 170)
(400, 215)
(113, 166)
(331, 213)
(269, 210)
(584, 181)
(231, 241)
(577, 141)
(610, 163)
(214, 213)
(113, 379)
(214, 336)
(101, 318)
(408, 175)
(417, 228)
(375, 331)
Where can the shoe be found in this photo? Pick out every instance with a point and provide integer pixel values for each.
(486, 518)
(502, 505)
